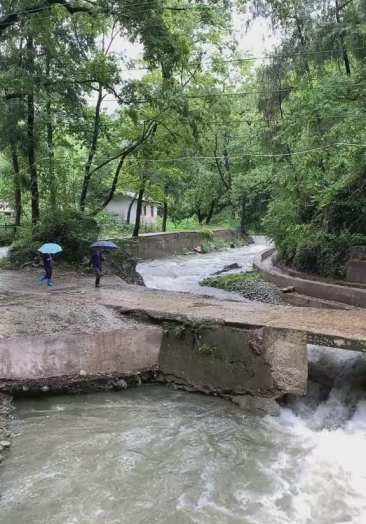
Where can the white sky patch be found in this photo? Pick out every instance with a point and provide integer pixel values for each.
(256, 41)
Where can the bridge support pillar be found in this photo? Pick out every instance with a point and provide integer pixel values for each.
(262, 362)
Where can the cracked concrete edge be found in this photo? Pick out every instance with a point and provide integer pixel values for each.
(6, 409)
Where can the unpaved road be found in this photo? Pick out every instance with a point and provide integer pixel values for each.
(75, 306)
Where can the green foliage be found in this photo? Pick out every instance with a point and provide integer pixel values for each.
(7, 233)
(285, 153)
(71, 229)
(325, 254)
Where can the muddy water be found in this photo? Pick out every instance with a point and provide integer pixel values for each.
(155, 455)
(184, 273)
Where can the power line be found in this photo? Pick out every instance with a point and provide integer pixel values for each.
(207, 95)
(182, 7)
(234, 60)
(232, 157)
(254, 58)
(259, 155)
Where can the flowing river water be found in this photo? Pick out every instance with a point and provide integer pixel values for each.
(156, 455)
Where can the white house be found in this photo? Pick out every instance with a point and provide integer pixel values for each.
(6, 210)
(121, 203)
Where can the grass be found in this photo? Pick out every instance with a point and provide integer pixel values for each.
(231, 282)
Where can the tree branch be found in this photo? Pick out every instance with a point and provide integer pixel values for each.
(12, 18)
(218, 165)
(145, 134)
(123, 155)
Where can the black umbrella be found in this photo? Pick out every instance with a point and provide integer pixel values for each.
(104, 244)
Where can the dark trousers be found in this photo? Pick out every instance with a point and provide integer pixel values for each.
(98, 274)
(48, 273)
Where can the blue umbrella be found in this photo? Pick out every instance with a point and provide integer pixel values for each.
(104, 244)
(50, 249)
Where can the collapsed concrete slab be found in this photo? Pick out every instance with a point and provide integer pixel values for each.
(207, 357)
(260, 362)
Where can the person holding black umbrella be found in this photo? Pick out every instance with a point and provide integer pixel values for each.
(96, 263)
(97, 258)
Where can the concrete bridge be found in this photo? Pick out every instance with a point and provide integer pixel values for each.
(75, 337)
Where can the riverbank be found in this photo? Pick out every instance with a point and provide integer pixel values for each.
(250, 285)
(313, 289)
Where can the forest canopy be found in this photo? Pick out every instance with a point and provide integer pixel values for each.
(272, 143)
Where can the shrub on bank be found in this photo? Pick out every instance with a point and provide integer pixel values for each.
(320, 253)
(7, 235)
(71, 229)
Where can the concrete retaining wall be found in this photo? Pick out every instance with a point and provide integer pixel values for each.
(264, 362)
(351, 295)
(158, 245)
(128, 350)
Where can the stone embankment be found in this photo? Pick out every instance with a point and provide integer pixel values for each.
(310, 290)
(158, 245)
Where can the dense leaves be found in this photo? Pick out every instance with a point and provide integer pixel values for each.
(275, 145)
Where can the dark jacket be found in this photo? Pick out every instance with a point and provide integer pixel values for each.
(47, 261)
(96, 261)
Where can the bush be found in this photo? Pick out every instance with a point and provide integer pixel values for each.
(22, 252)
(322, 253)
(7, 235)
(71, 229)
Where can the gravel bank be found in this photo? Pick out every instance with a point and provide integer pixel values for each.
(250, 285)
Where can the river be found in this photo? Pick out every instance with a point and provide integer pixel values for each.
(156, 455)
(183, 273)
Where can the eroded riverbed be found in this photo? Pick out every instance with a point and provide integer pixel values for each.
(153, 454)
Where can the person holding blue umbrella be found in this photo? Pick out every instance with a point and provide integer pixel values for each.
(47, 251)
(97, 257)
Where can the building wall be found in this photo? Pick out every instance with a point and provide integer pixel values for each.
(119, 207)
(6, 210)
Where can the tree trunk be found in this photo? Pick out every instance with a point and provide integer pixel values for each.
(346, 61)
(128, 219)
(300, 33)
(211, 211)
(17, 184)
(93, 148)
(140, 197)
(165, 214)
(31, 143)
(242, 216)
(50, 146)
(200, 215)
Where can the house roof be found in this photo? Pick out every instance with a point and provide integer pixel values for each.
(130, 194)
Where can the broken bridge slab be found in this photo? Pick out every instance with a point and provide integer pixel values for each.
(345, 329)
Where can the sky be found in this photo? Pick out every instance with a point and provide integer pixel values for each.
(256, 41)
